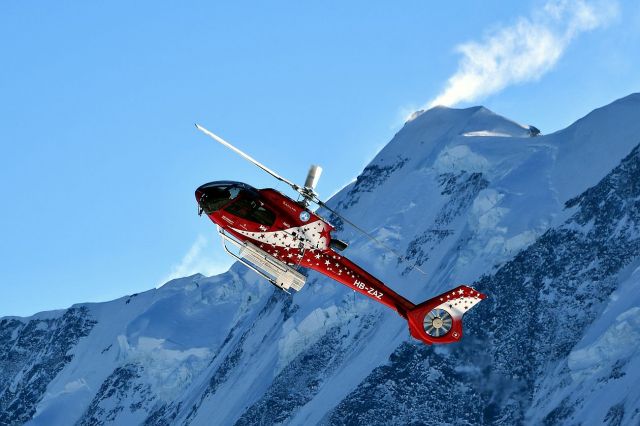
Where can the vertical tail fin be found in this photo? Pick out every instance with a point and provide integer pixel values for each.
(439, 320)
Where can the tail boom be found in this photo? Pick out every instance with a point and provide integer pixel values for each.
(348, 273)
(436, 321)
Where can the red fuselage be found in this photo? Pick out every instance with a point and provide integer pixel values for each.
(294, 235)
(288, 231)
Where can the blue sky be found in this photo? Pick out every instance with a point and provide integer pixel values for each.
(99, 156)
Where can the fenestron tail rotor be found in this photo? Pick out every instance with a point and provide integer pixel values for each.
(437, 323)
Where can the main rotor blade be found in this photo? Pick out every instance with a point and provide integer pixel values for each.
(246, 156)
(368, 235)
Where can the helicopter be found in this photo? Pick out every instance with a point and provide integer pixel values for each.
(276, 236)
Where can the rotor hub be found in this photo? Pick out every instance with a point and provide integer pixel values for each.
(438, 322)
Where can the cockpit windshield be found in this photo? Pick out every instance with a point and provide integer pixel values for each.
(215, 197)
(237, 198)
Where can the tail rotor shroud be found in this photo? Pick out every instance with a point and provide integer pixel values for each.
(439, 320)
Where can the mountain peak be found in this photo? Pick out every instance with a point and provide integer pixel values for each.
(547, 224)
(471, 121)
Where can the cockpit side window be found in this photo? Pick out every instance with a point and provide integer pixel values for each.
(233, 192)
(252, 210)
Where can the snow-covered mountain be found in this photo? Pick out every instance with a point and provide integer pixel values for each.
(548, 227)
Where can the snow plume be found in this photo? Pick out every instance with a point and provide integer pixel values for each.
(200, 258)
(524, 51)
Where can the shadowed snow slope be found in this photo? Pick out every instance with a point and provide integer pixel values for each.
(547, 226)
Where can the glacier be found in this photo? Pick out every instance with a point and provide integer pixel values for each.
(546, 226)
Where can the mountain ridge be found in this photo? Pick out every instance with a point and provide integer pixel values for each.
(228, 349)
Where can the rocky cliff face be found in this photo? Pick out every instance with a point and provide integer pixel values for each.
(32, 353)
(517, 366)
(546, 226)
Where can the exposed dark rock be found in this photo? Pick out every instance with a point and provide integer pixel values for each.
(32, 353)
(538, 307)
(120, 391)
(371, 177)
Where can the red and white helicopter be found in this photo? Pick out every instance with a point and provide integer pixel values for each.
(276, 235)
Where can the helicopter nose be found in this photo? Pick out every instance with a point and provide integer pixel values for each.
(200, 198)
